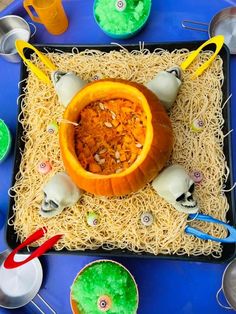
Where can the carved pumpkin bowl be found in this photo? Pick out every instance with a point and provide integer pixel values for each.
(131, 167)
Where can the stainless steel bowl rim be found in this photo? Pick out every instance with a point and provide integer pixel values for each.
(224, 283)
(23, 20)
(216, 19)
(25, 299)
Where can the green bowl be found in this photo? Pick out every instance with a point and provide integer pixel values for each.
(5, 141)
(126, 34)
(104, 278)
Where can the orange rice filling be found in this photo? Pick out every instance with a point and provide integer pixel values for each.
(110, 135)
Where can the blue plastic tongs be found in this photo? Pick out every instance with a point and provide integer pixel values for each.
(231, 238)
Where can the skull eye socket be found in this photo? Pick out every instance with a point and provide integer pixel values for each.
(53, 204)
(175, 72)
(180, 198)
(58, 75)
(191, 189)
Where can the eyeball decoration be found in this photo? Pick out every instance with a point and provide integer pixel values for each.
(92, 219)
(52, 128)
(104, 303)
(197, 125)
(197, 176)
(147, 219)
(44, 167)
(97, 76)
(121, 5)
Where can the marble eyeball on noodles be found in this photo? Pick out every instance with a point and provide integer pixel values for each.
(176, 187)
(59, 192)
(165, 85)
(67, 85)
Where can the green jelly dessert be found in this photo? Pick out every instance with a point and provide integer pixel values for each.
(5, 140)
(104, 287)
(125, 21)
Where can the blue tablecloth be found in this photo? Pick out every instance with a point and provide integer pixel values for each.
(165, 286)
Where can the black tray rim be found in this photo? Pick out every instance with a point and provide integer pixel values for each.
(191, 45)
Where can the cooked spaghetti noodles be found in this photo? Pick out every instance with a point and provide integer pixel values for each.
(119, 223)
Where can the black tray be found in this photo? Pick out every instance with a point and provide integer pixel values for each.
(228, 249)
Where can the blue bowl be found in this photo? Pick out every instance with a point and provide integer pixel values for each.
(123, 35)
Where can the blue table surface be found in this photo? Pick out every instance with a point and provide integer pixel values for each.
(165, 286)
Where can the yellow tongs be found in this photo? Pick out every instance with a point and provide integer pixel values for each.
(218, 41)
(20, 46)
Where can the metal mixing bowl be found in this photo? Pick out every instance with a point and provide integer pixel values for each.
(20, 285)
(12, 27)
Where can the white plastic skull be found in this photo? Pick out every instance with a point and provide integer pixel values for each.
(59, 192)
(176, 187)
(67, 85)
(165, 85)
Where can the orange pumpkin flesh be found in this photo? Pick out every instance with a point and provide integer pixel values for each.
(110, 135)
(154, 155)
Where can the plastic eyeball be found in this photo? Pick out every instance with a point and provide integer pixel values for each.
(147, 219)
(92, 219)
(120, 5)
(52, 128)
(44, 167)
(97, 77)
(197, 176)
(104, 303)
(197, 125)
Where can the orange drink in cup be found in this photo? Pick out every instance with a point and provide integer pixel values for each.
(50, 13)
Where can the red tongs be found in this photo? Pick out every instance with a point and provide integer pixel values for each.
(9, 263)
